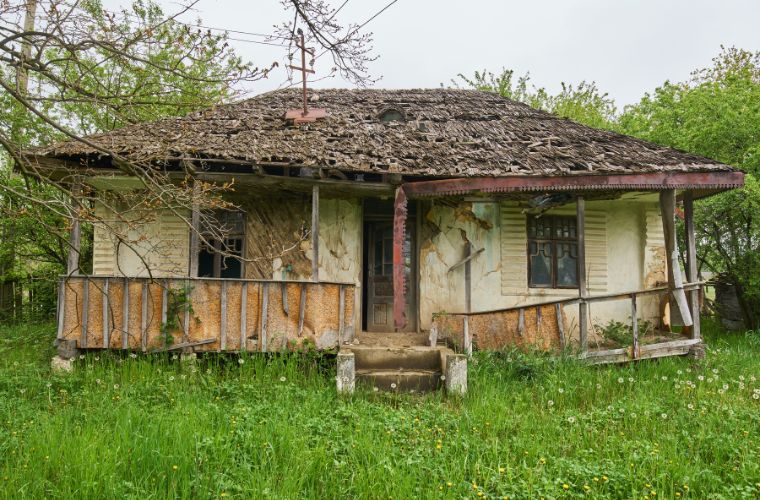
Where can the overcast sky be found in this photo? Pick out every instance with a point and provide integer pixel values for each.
(628, 47)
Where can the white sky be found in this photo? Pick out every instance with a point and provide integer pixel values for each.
(628, 47)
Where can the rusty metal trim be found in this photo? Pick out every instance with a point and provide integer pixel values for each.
(656, 181)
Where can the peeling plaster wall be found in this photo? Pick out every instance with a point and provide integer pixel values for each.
(340, 240)
(442, 245)
(622, 249)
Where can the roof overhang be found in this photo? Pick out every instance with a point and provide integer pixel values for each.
(655, 181)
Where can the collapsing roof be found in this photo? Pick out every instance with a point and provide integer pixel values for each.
(429, 132)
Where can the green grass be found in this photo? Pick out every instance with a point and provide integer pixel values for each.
(531, 426)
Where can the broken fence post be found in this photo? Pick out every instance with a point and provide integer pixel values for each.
(346, 373)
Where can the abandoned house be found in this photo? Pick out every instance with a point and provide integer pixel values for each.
(428, 221)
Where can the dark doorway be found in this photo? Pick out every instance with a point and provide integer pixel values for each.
(378, 268)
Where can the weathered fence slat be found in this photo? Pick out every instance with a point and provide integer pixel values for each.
(106, 326)
(560, 326)
(223, 318)
(243, 315)
(85, 312)
(301, 309)
(264, 314)
(144, 318)
(125, 315)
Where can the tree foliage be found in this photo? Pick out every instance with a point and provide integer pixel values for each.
(717, 114)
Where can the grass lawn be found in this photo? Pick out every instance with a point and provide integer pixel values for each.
(531, 426)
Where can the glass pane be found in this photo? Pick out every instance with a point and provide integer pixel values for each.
(388, 246)
(378, 257)
(388, 269)
(540, 264)
(567, 264)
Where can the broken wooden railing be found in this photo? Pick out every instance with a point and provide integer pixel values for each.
(541, 326)
(203, 314)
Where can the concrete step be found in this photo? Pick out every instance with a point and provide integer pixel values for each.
(400, 380)
(394, 358)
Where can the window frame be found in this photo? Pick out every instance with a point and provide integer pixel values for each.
(215, 247)
(553, 240)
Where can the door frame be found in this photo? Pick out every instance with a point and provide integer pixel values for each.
(414, 224)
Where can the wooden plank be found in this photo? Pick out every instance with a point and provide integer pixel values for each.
(182, 345)
(635, 327)
(144, 317)
(468, 277)
(302, 309)
(61, 307)
(264, 313)
(75, 233)
(85, 312)
(243, 316)
(560, 326)
(195, 220)
(582, 287)
(691, 264)
(659, 350)
(125, 315)
(186, 319)
(675, 282)
(521, 322)
(341, 313)
(467, 339)
(164, 309)
(223, 318)
(315, 233)
(104, 314)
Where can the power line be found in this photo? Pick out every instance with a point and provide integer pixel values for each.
(361, 25)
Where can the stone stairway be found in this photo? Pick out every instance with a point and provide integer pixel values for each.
(400, 363)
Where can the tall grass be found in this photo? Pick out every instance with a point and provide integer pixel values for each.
(531, 426)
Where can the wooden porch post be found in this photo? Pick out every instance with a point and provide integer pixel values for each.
(75, 233)
(580, 215)
(675, 282)
(195, 222)
(691, 263)
(399, 234)
(315, 233)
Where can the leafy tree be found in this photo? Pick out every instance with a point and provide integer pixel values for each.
(584, 103)
(716, 114)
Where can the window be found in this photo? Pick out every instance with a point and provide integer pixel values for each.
(222, 258)
(552, 252)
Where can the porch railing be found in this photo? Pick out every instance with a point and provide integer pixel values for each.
(513, 325)
(203, 314)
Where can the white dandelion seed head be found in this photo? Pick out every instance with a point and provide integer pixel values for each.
(393, 385)
(700, 377)
(97, 381)
(183, 376)
(610, 408)
(664, 378)
(598, 386)
(721, 391)
(725, 387)
(133, 355)
(620, 380)
(375, 389)
(97, 358)
(756, 396)
(709, 380)
(630, 379)
(171, 378)
(752, 378)
(561, 390)
(81, 356)
(741, 377)
(680, 372)
(283, 379)
(622, 410)
(715, 370)
(22, 391)
(116, 386)
(664, 415)
(241, 361)
(571, 419)
(48, 385)
(741, 385)
(550, 403)
(175, 357)
(443, 377)
(690, 406)
(633, 415)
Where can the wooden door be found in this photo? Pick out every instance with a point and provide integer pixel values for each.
(380, 278)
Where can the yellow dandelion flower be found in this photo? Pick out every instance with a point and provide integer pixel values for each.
(596, 479)
(678, 494)
(542, 461)
(501, 470)
(565, 486)
(449, 484)
(586, 487)
(174, 467)
(605, 478)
